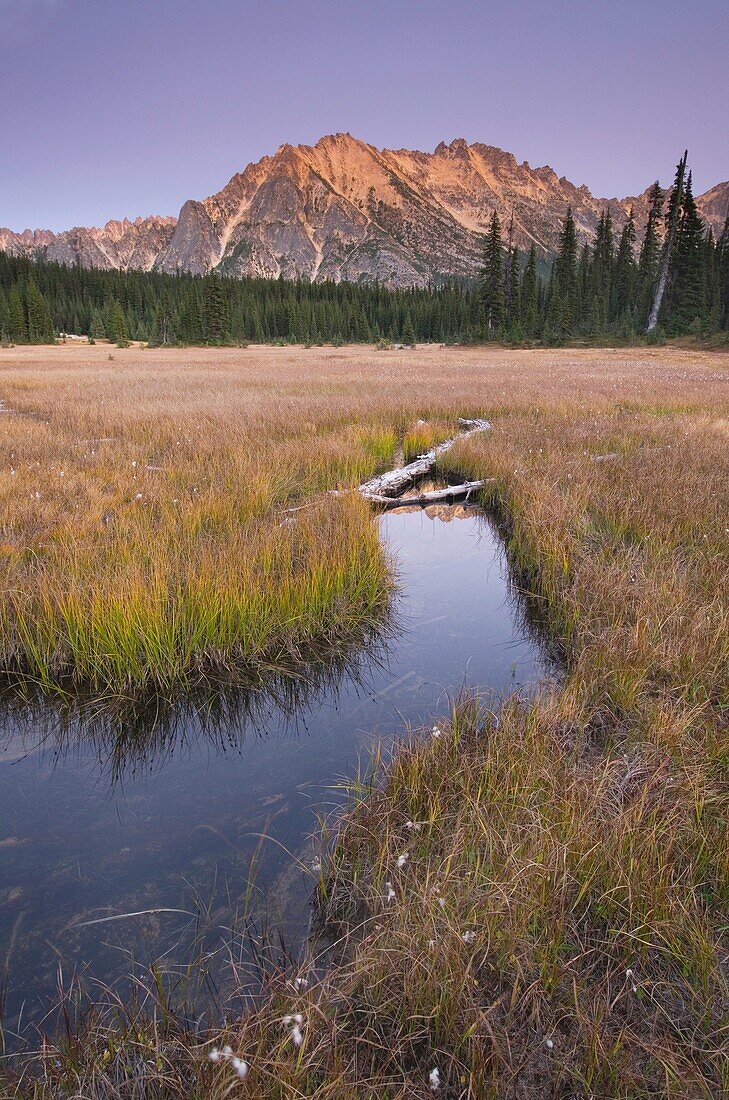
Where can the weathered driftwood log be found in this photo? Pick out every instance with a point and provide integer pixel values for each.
(433, 496)
(394, 482)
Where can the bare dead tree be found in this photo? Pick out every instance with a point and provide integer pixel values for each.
(668, 246)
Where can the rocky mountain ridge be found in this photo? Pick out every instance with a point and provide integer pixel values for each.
(345, 210)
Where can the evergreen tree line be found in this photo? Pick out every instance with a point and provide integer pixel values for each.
(676, 275)
(609, 288)
(189, 309)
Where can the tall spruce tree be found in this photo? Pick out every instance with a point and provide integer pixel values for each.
(18, 324)
(97, 329)
(163, 332)
(722, 276)
(115, 324)
(216, 314)
(563, 305)
(40, 323)
(600, 276)
(650, 252)
(684, 305)
(513, 305)
(528, 296)
(491, 280)
(625, 274)
(4, 317)
(673, 215)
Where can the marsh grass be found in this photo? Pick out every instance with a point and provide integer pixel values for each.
(533, 901)
(423, 437)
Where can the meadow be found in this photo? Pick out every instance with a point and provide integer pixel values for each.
(527, 902)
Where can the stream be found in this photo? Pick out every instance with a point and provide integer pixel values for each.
(200, 824)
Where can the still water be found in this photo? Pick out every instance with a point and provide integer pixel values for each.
(205, 817)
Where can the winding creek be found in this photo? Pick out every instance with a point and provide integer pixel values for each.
(207, 814)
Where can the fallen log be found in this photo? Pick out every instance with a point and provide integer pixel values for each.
(394, 482)
(433, 496)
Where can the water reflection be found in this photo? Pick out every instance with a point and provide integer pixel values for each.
(198, 807)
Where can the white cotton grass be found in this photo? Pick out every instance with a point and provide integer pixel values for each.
(390, 892)
(434, 1079)
(402, 860)
(630, 977)
(469, 937)
(549, 1044)
(238, 1065)
(435, 732)
(294, 1023)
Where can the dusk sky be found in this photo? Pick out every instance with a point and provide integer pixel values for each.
(114, 108)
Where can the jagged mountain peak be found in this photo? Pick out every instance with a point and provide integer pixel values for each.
(344, 209)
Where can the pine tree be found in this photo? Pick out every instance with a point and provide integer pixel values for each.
(216, 314)
(162, 328)
(97, 330)
(40, 324)
(673, 214)
(491, 280)
(190, 326)
(115, 324)
(513, 312)
(562, 311)
(722, 276)
(625, 274)
(528, 297)
(650, 252)
(4, 317)
(684, 305)
(18, 325)
(408, 332)
(600, 276)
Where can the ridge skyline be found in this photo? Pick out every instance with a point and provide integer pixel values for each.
(345, 209)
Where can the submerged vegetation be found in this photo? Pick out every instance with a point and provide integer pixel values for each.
(527, 902)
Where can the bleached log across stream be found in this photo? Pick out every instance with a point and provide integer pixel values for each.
(386, 489)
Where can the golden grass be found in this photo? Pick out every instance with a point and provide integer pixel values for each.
(578, 843)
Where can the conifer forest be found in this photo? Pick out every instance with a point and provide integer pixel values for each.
(671, 280)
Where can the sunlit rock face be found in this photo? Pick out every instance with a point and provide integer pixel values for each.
(127, 245)
(342, 209)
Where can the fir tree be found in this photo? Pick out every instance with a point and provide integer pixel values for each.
(528, 296)
(97, 330)
(625, 274)
(722, 276)
(600, 276)
(513, 311)
(649, 256)
(673, 215)
(4, 317)
(18, 325)
(216, 314)
(115, 324)
(685, 302)
(491, 280)
(40, 324)
(163, 331)
(562, 312)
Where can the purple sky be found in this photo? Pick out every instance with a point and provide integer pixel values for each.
(113, 108)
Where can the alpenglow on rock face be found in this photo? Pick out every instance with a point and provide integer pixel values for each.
(342, 209)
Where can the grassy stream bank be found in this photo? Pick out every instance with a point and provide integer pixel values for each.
(530, 904)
